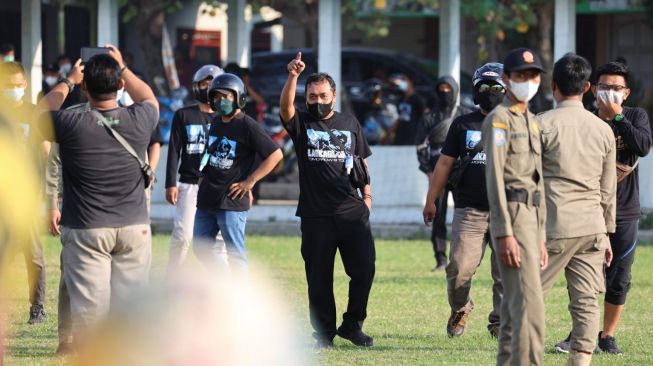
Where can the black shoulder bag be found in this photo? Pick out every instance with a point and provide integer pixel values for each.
(359, 176)
(460, 166)
(146, 170)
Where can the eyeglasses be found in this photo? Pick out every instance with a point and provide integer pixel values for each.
(483, 88)
(614, 87)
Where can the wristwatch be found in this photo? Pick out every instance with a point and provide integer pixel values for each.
(618, 118)
(70, 85)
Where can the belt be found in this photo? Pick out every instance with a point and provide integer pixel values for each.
(521, 195)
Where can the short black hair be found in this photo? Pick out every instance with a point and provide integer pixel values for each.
(233, 68)
(6, 48)
(571, 73)
(61, 58)
(319, 77)
(102, 77)
(612, 68)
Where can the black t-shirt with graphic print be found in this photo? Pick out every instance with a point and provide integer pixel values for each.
(187, 143)
(103, 183)
(324, 187)
(464, 134)
(232, 149)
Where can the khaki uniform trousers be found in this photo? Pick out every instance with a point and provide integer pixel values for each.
(103, 267)
(468, 242)
(582, 260)
(521, 336)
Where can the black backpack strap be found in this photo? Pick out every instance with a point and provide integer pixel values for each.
(119, 137)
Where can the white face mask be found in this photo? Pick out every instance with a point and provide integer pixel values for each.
(119, 94)
(65, 69)
(525, 91)
(611, 96)
(51, 80)
(14, 95)
(8, 58)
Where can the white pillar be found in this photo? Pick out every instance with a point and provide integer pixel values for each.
(238, 43)
(31, 55)
(329, 43)
(107, 22)
(564, 28)
(449, 62)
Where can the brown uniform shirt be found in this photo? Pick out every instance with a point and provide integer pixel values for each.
(511, 140)
(578, 161)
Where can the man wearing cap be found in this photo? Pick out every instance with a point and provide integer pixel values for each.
(471, 216)
(578, 159)
(511, 139)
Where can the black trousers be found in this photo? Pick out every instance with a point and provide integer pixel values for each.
(321, 237)
(618, 276)
(439, 232)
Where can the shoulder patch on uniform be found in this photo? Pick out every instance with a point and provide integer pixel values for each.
(535, 127)
(499, 136)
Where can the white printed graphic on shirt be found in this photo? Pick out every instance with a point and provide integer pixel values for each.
(196, 139)
(224, 154)
(471, 140)
(320, 146)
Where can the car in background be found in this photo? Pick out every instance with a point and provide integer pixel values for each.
(359, 65)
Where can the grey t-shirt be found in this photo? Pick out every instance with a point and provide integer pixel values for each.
(103, 183)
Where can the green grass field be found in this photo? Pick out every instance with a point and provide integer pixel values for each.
(408, 309)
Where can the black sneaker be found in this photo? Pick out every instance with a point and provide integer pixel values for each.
(37, 315)
(493, 328)
(564, 345)
(608, 345)
(356, 336)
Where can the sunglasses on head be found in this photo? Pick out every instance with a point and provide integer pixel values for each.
(483, 88)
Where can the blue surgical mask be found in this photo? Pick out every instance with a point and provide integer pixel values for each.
(225, 107)
(14, 95)
(8, 58)
(402, 85)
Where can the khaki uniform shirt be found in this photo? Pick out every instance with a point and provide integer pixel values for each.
(511, 140)
(578, 159)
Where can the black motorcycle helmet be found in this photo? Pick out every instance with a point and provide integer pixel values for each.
(205, 72)
(491, 71)
(229, 82)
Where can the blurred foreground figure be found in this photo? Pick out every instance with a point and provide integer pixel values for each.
(242, 323)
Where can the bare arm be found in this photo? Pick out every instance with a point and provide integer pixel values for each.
(138, 90)
(153, 155)
(438, 179)
(57, 95)
(287, 101)
(367, 190)
(239, 189)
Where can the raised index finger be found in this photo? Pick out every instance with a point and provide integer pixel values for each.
(299, 56)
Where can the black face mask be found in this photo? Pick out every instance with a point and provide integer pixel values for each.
(319, 110)
(488, 100)
(203, 95)
(445, 99)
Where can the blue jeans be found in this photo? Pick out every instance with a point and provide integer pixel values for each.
(232, 226)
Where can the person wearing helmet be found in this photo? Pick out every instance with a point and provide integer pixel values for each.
(228, 176)
(190, 126)
(429, 138)
(470, 227)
